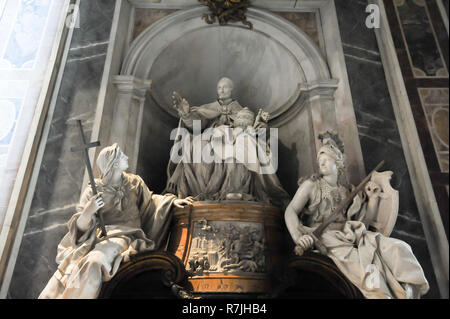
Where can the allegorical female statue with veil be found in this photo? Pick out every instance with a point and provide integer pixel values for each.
(136, 220)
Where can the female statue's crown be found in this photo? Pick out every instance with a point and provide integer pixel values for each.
(332, 146)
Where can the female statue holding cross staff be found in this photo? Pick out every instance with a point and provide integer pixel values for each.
(136, 220)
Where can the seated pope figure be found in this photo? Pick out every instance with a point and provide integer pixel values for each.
(228, 176)
(355, 250)
(136, 220)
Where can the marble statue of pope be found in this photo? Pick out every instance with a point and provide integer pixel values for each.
(222, 180)
(135, 218)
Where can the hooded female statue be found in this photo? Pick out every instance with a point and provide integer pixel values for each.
(135, 218)
(381, 267)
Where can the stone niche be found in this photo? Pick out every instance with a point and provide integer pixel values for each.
(290, 64)
(277, 67)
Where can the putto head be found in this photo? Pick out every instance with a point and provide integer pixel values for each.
(244, 118)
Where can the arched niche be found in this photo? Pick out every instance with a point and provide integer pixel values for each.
(269, 64)
(275, 66)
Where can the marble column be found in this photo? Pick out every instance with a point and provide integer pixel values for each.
(128, 113)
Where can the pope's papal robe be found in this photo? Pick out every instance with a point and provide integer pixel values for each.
(136, 220)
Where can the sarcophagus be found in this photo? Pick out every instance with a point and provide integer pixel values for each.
(228, 247)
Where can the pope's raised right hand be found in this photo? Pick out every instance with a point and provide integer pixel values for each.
(180, 104)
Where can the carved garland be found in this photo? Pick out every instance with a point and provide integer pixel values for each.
(227, 11)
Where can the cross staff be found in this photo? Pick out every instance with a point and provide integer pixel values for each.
(85, 148)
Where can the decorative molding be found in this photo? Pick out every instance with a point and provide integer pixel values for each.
(128, 109)
(127, 84)
(150, 43)
(321, 90)
(152, 4)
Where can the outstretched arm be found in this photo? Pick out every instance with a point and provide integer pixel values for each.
(294, 208)
(190, 114)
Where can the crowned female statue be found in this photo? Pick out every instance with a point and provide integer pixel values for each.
(381, 267)
(228, 176)
(136, 220)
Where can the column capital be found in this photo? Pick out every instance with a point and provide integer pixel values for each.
(320, 89)
(129, 84)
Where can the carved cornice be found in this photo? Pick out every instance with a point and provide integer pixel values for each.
(322, 89)
(132, 85)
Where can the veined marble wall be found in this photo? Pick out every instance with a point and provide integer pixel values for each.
(377, 126)
(61, 174)
(424, 54)
(27, 32)
(421, 42)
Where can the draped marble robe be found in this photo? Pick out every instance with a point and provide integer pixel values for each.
(136, 220)
(213, 181)
(252, 173)
(201, 179)
(357, 251)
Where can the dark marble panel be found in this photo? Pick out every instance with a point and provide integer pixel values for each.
(155, 146)
(296, 155)
(423, 49)
(305, 21)
(145, 17)
(61, 173)
(377, 127)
